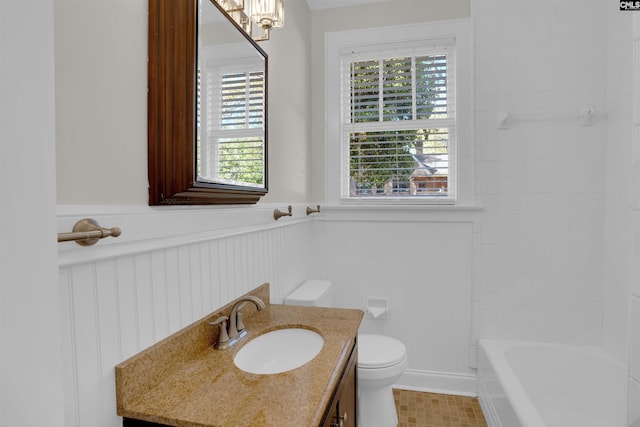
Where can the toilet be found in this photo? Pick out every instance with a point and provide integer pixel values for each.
(381, 361)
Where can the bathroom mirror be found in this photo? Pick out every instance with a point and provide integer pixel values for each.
(207, 113)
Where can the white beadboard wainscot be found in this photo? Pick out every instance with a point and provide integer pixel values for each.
(170, 267)
(421, 259)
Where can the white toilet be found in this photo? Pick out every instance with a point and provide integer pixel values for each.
(381, 361)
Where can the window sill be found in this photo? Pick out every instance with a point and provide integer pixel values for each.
(400, 214)
(400, 203)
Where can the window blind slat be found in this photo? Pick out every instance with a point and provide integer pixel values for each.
(400, 84)
(241, 100)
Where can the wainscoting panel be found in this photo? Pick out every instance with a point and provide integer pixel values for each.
(171, 268)
(114, 306)
(421, 260)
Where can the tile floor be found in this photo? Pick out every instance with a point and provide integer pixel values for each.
(416, 409)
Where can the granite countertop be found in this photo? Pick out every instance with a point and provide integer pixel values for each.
(183, 381)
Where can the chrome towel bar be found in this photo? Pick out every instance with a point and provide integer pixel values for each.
(87, 232)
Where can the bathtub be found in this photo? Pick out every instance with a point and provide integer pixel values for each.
(529, 384)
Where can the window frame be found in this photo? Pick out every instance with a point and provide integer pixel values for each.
(385, 123)
(216, 63)
(381, 39)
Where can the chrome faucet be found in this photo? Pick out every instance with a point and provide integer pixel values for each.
(236, 324)
(235, 314)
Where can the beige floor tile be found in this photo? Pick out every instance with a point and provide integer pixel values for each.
(417, 409)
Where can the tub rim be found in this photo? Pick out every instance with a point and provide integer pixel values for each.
(494, 350)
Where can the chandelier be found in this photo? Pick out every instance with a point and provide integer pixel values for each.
(265, 14)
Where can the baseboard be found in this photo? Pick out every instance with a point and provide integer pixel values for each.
(488, 410)
(438, 382)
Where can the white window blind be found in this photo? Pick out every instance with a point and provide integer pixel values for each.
(398, 123)
(241, 100)
(232, 150)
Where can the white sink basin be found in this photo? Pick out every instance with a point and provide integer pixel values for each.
(279, 351)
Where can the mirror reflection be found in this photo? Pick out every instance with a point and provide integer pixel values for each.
(230, 106)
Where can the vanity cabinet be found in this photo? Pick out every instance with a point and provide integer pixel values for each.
(343, 410)
(175, 381)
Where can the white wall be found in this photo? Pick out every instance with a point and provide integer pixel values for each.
(621, 313)
(634, 260)
(30, 351)
(542, 181)
(372, 15)
(617, 221)
(290, 107)
(101, 103)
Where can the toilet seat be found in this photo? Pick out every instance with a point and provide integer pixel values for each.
(379, 351)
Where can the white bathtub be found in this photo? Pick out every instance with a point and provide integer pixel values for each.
(529, 384)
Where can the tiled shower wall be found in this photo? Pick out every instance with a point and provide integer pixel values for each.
(617, 219)
(541, 177)
(634, 272)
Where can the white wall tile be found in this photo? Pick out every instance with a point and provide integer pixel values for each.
(542, 226)
(617, 225)
(634, 273)
(635, 158)
(634, 345)
(633, 406)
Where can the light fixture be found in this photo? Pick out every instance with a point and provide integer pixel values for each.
(266, 14)
(241, 19)
(231, 5)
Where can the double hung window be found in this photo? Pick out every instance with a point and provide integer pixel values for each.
(400, 115)
(399, 122)
(231, 139)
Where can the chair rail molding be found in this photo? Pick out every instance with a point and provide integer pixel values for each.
(146, 229)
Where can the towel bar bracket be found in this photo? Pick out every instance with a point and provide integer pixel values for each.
(87, 232)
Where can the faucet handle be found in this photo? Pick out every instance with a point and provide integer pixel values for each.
(223, 336)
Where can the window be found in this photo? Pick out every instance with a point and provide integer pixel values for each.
(397, 134)
(398, 120)
(231, 146)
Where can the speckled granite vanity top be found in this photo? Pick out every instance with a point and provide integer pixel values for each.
(183, 381)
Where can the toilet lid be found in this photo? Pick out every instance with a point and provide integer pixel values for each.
(379, 351)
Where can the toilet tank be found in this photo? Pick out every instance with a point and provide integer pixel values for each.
(312, 293)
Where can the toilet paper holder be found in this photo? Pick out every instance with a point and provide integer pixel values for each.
(376, 307)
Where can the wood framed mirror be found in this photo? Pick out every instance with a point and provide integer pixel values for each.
(204, 146)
